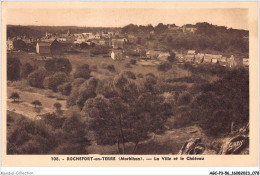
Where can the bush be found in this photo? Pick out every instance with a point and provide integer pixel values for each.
(83, 71)
(13, 69)
(36, 78)
(133, 61)
(65, 89)
(52, 82)
(111, 68)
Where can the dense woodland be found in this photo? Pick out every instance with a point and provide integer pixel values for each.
(126, 108)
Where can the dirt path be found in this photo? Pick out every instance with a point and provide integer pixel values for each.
(24, 106)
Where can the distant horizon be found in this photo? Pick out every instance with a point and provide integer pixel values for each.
(118, 26)
(236, 18)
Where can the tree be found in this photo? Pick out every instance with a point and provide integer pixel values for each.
(52, 82)
(57, 105)
(76, 131)
(116, 121)
(36, 78)
(20, 45)
(172, 57)
(14, 96)
(13, 69)
(139, 40)
(65, 89)
(83, 71)
(169, 39)
(26, 69)
(36, 103)
(83, 92)
(128, 116)
(129, 74)
(164, 67)
(58, 65)
(99, 50)
(160, 28)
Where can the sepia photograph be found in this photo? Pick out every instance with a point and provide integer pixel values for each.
(153, 86)
(127, 81)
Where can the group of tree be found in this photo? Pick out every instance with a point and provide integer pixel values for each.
(99, 50)
(121, 110)
(218, 107)
(52, 134)
(206, 37)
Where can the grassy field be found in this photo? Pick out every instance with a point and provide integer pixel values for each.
(24, 106)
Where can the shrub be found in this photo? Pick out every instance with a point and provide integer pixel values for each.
(36, 78)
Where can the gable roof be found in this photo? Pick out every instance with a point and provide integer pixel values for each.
(44, 44)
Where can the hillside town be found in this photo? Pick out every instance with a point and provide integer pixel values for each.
(118, 45)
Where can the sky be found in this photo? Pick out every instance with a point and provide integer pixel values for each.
(118, 17)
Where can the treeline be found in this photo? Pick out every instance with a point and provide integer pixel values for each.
(207, 37)
(39, 31)
(14, 31)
